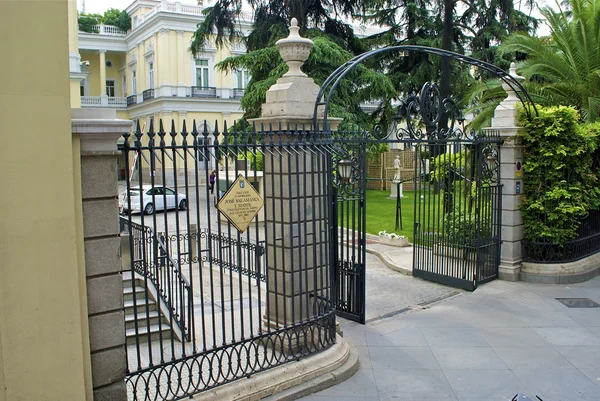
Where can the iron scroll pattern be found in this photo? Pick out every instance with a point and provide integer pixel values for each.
(216, 367)
(348, 147)
(423, 113)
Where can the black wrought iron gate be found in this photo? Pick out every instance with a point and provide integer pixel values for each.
(457, 200)
(458, 211)
(348, 202)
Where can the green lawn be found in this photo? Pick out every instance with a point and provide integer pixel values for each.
(381, 213)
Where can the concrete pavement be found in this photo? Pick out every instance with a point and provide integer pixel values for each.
(505, 338)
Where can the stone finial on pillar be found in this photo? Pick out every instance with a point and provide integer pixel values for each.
(291, 100)
(294, 50)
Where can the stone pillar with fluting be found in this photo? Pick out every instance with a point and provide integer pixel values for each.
(511, 178)
(295, 196)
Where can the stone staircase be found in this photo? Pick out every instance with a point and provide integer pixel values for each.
(152, 313)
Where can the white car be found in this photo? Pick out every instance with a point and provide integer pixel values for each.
(149, 198)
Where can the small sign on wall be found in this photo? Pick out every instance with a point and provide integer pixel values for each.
(518, 187)
(518, 168)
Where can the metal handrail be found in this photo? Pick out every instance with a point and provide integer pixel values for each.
(151, 264)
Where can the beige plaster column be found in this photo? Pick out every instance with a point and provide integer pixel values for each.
(295, 198)
(98, 130)
(511, 178)
(103, 96)
(181, 50)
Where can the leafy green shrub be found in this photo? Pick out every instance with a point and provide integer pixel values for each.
(87, 22)
(560, 186)
(256, 160)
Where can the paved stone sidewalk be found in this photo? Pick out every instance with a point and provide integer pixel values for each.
(504, 338)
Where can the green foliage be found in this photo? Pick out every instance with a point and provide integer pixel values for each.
(88, 21)
(256, 160)
(111, 16)
(447, 163)
(460, 228)
(560, 184)
(124, 22)
(266, 66)
(566, 66)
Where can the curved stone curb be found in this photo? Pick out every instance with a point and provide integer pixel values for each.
(561, 273)
(389, 262)
(292, 380)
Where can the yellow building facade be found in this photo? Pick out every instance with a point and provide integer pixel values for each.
(149, 73)
(44, 337)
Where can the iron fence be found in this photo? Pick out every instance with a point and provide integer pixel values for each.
(206, 303)
(587, 243)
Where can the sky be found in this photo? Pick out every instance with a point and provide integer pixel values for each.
(99, 6)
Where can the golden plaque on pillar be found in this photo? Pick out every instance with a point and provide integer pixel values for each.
(241, 203)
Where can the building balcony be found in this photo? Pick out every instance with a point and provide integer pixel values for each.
(185, 93)
(238, 93)
(117, 102)
(204, 91)
(148, 94)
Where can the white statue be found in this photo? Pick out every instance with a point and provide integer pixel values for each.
(397, 167)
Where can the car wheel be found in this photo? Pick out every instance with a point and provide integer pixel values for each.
(149, 209)
(183, 204)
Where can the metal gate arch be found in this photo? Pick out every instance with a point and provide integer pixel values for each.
(457, 232)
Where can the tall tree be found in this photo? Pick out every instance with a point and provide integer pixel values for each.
(565, 67)
(323, 22)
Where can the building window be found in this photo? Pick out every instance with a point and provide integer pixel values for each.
(202, 73)
(243, 77)
(134, 82)
(151, 74)
(204, 153)
(110, 88)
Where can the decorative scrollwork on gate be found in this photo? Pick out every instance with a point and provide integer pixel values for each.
(346, 183)
(423, 114)
(490, 165)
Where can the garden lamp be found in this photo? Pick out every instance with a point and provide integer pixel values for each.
(344, 168)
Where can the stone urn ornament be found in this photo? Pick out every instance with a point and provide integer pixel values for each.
(294, 50)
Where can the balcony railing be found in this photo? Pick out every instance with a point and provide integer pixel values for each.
(117, 101)
(103, 101)
(238, 93)
(204, 91)
(131, 100)
(148, 94)
(108, 30)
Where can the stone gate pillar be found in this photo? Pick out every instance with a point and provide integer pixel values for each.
(98, 131)
(511, 178)
(295, 195)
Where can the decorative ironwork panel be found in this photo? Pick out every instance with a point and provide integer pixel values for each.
(206, 304)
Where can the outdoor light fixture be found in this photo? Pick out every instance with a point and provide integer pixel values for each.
(344, 168)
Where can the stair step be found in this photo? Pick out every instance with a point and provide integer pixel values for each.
(129, 290)
(131, 317)
(143, 330)
(139, 302)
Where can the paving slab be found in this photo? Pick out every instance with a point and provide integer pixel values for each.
(505, 338)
